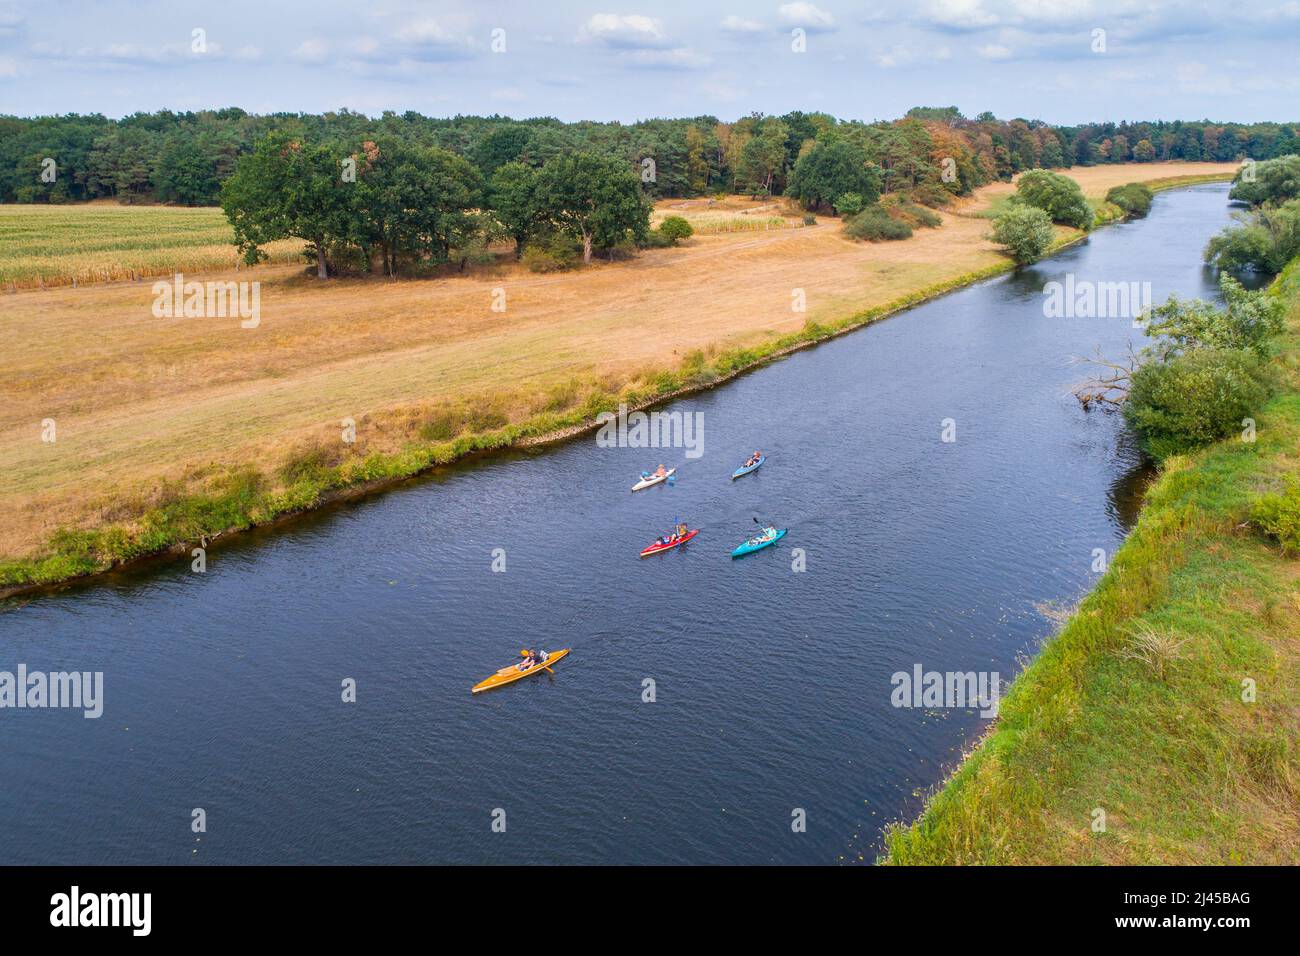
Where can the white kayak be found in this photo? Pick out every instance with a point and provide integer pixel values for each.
(649, 480)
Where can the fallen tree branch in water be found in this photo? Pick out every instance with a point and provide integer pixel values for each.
(1109, 383)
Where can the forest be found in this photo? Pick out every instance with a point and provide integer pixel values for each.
(183, 158)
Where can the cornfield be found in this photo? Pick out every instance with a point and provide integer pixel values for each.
(713, 223)
(63, 245)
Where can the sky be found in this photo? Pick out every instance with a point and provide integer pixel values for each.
(1062, 61)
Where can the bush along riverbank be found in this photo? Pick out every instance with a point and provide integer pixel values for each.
(1161, 724)
(244, 498)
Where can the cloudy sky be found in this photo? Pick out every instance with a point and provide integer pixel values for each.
(633, 59)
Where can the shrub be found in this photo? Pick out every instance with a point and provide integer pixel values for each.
(656, 240)
(874, 224)
(1193, 399)
(912, 214)
(1273, 180)
(621, 251)
(849, 205)
(487, 417)
(931, 194)
(1025, 232)
(809, 219)
(551, 253)
(1278, 516)
(310, 466)
(1265, 243)
(443, 424)
(1250, 320)
(676, 228)
(1058, 196)
(1134, 198)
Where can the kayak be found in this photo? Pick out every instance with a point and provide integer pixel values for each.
(512, 673)
(757, 544)
(648, 480)
(746, 469)
(658, 546)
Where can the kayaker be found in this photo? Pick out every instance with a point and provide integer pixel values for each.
(661, 471)
(532, 659)
(681, 531)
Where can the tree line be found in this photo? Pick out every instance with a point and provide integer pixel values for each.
(184, 157)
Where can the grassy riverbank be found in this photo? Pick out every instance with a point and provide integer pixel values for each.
(1136, 707)
(172, 430)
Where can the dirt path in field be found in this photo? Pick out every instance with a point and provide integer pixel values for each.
(136, 398)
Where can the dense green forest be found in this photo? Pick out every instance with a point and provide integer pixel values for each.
(183, 158)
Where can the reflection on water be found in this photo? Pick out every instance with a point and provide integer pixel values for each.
(1130, 485)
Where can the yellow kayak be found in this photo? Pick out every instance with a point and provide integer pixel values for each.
(508, 675)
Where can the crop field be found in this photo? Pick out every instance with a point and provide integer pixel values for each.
(720, 215)
(67, 245)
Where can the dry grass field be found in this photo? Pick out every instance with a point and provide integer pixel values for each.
(146, 406)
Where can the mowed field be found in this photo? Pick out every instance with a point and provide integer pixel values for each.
(147, 407)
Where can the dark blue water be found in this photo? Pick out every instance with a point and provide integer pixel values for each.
(222, 690)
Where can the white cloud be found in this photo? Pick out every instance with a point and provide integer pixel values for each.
(425, 40)
(959, 15)
(735, 24)
(1195, 77)
(994, 51)
(900, 55)
(628, 32)
(813, 19)
(423, 31)
(313, 50)
(678, 57)
(11, 24)
(1054, 11)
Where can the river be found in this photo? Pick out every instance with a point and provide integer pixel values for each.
(222, 690)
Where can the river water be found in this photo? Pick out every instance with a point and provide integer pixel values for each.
(772, 688)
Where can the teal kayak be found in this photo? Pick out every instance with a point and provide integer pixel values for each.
(746, 469)
(759, 542)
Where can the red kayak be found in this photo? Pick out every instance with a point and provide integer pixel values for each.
(660, 546)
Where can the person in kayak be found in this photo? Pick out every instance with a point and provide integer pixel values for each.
(660, 471)
(753, 459)
(532, 659)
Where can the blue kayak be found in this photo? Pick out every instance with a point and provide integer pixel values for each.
(746, 469)
(759, 542)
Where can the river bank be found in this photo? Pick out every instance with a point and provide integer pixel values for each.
(1106, 752)
(126, 525)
